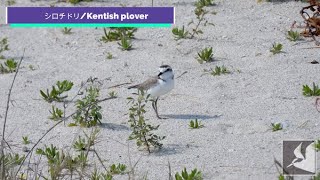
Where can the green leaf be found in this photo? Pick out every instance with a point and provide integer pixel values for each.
(307, 91)
(43, 94)
(281, 177)
(178, 177)
(72, 124)
(40, 151)
(191, 124)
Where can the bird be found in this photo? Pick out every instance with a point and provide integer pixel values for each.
(157, 86)
(306, 163)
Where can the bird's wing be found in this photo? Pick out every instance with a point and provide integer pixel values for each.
(308, 164)
(297, 152)
(310, 151)
(146, 84)
(152, 81)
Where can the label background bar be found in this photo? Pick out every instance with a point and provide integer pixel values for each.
(28, 15)
(20, 25)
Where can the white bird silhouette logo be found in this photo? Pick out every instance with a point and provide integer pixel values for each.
(308, 162)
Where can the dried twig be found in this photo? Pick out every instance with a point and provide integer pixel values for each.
(318, 104)
(5, 118)
(130, 164)
(170, 174)
(311, 47)
(119, 85)
(37, 144)
(182, 74)
(100, 160)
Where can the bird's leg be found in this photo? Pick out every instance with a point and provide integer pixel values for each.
(153, 106)
(156, 108)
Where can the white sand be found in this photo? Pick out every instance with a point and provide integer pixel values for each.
(236, 109)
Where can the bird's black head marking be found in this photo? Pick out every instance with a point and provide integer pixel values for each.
(164, 66)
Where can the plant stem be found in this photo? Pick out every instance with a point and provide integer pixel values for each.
(197, 26)
(5, 119)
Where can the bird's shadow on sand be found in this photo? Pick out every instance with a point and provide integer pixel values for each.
(172, 149)
(115, 127)
(190, 116)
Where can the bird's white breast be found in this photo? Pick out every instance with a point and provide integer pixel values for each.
(163, 87)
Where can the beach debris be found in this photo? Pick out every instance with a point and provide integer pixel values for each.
(317, 104)
(312, 22)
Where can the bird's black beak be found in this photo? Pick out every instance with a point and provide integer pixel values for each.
(160, 74)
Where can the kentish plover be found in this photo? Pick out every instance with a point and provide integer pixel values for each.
(158, 85)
